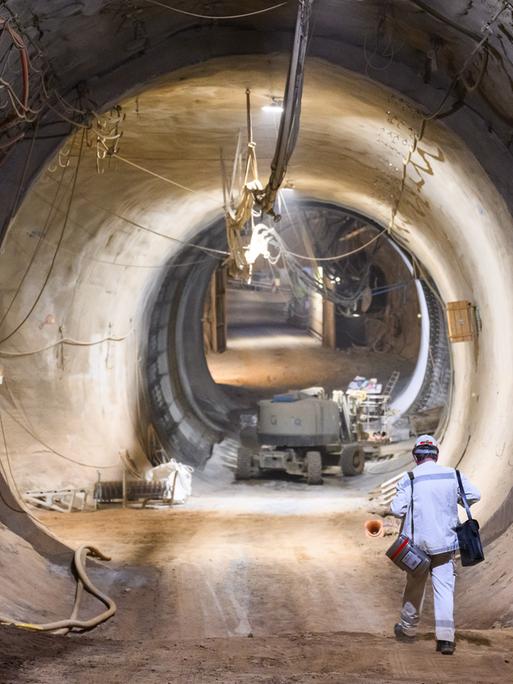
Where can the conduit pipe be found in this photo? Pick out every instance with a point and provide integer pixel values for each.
(83, 582)
(374, 528)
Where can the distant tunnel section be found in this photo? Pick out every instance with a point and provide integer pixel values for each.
(216, 345)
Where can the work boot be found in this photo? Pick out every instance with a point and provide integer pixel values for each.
(445, 647)
(400, 635)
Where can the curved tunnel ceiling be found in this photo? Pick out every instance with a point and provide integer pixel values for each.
(373, 69)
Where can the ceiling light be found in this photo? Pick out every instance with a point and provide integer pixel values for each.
(276, 106)
(273, 108)
(258, 245)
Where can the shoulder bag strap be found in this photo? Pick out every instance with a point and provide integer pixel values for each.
(463, 495)
(412, 477)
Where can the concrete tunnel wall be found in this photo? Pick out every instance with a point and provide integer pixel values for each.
(352, 145)
(354, 138)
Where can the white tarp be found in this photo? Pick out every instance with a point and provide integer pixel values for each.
(177, 478)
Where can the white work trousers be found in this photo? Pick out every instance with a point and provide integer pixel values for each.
(443, 579)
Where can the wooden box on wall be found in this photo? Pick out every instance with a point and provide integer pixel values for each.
(460, 321)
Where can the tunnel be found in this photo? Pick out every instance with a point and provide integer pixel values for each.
(120, 123)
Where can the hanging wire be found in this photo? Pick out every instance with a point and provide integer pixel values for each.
(227, 16)
(460, 75)
(4, 472)
(19, 509)
(301, 280)
(291, 115)
(54, 451)
(66, 341)
(37, 97)
(337, 257)
(208, 250)
(36, 249)
(123, 264)
(164, 178)
(59, 242)
(438, 112)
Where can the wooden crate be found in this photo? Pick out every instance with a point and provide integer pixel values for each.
(460, 321)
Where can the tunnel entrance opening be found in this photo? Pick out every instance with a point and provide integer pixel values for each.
(217, 345)
(348, 308)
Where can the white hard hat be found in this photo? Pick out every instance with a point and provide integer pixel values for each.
(426, 439)
(426, 446)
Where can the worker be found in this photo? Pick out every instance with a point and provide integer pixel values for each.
(435, 503)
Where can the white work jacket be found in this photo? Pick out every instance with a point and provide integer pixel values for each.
(435, 506)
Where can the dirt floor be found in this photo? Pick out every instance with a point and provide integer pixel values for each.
(212, 596)
(334, 658)
(274, 360)
(266, 356)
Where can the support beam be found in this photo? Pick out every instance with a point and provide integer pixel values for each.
(215, 322)
(329, 337)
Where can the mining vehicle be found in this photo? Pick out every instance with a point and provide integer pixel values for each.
(301, 433)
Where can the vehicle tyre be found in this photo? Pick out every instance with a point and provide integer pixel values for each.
(313, 468)
(352, 461)
(244, 469)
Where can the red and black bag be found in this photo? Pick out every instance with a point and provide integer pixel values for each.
(403, 551)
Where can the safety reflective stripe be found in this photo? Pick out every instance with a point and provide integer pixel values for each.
(443, 549)
(444, 623)
(435, 476)
(401, 547)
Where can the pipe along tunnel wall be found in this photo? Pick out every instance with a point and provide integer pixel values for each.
(69, 409)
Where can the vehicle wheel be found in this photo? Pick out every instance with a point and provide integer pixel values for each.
(244, 469)
(313, 468)
(352, 461)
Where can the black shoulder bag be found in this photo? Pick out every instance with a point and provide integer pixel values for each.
(471, 549)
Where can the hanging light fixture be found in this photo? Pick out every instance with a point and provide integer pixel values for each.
(275, 107)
